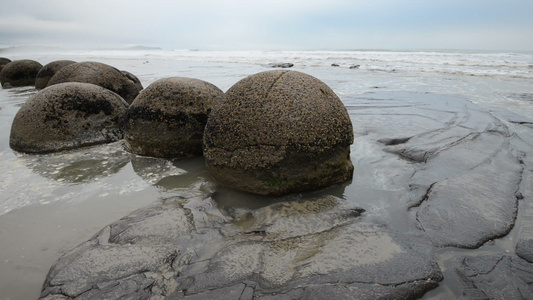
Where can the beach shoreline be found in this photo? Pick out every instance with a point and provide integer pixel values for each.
(46, 211)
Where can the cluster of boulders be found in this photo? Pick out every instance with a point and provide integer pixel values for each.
(272, 133)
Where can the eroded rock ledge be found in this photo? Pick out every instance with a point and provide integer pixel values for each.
(469, 169)
(188, 249)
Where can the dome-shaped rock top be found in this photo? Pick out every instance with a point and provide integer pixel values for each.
(167, 119)
(100, 74)
(49, 70)
(278, 132)
(67, 116)
(4, 61)
(19, 73)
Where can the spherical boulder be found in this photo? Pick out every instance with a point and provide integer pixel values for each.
(279, 132)
(4, 61)
(67, 116)
(167, 119)
(100, 74)
(19, 73)
(49, 70)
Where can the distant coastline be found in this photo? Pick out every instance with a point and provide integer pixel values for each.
(58, 49)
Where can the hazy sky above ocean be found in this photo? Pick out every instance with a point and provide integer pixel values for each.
(270, 24)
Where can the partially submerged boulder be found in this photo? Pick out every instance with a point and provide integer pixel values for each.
(49, 70)
(19, 73)
(67, 116)
(100, 74)
(168, 118)
(279, 132)
(280, 65)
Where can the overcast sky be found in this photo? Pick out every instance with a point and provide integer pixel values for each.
(270, 24)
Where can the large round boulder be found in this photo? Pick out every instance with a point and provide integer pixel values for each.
(67, 116)
(168, 118)
(100, 74)
(19, 73)
(279, 132)
(4, 61)
(49, 70)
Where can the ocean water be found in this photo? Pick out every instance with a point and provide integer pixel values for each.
(50, 203)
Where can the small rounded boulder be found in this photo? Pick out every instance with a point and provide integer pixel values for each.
(49, 70)
(168, 118)
(4, 61)
(19, 73)
(134, 79)
(68, 116)
(99, 74)
(279, 132)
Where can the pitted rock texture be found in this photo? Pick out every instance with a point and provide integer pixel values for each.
(279, 132)
(168, 118)
(49, 70)
(186, 248)
(67, 116)
(4, 61)
(19, 73)
(100, 74)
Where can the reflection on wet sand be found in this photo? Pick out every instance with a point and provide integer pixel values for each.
(81, 165)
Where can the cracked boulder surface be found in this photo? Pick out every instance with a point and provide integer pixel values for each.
(68, 116)
(168, 118)
(99, 74)
(186, 248)
(279, 132)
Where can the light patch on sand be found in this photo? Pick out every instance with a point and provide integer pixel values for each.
(349, 251)
(278, 267)
(241, 261)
